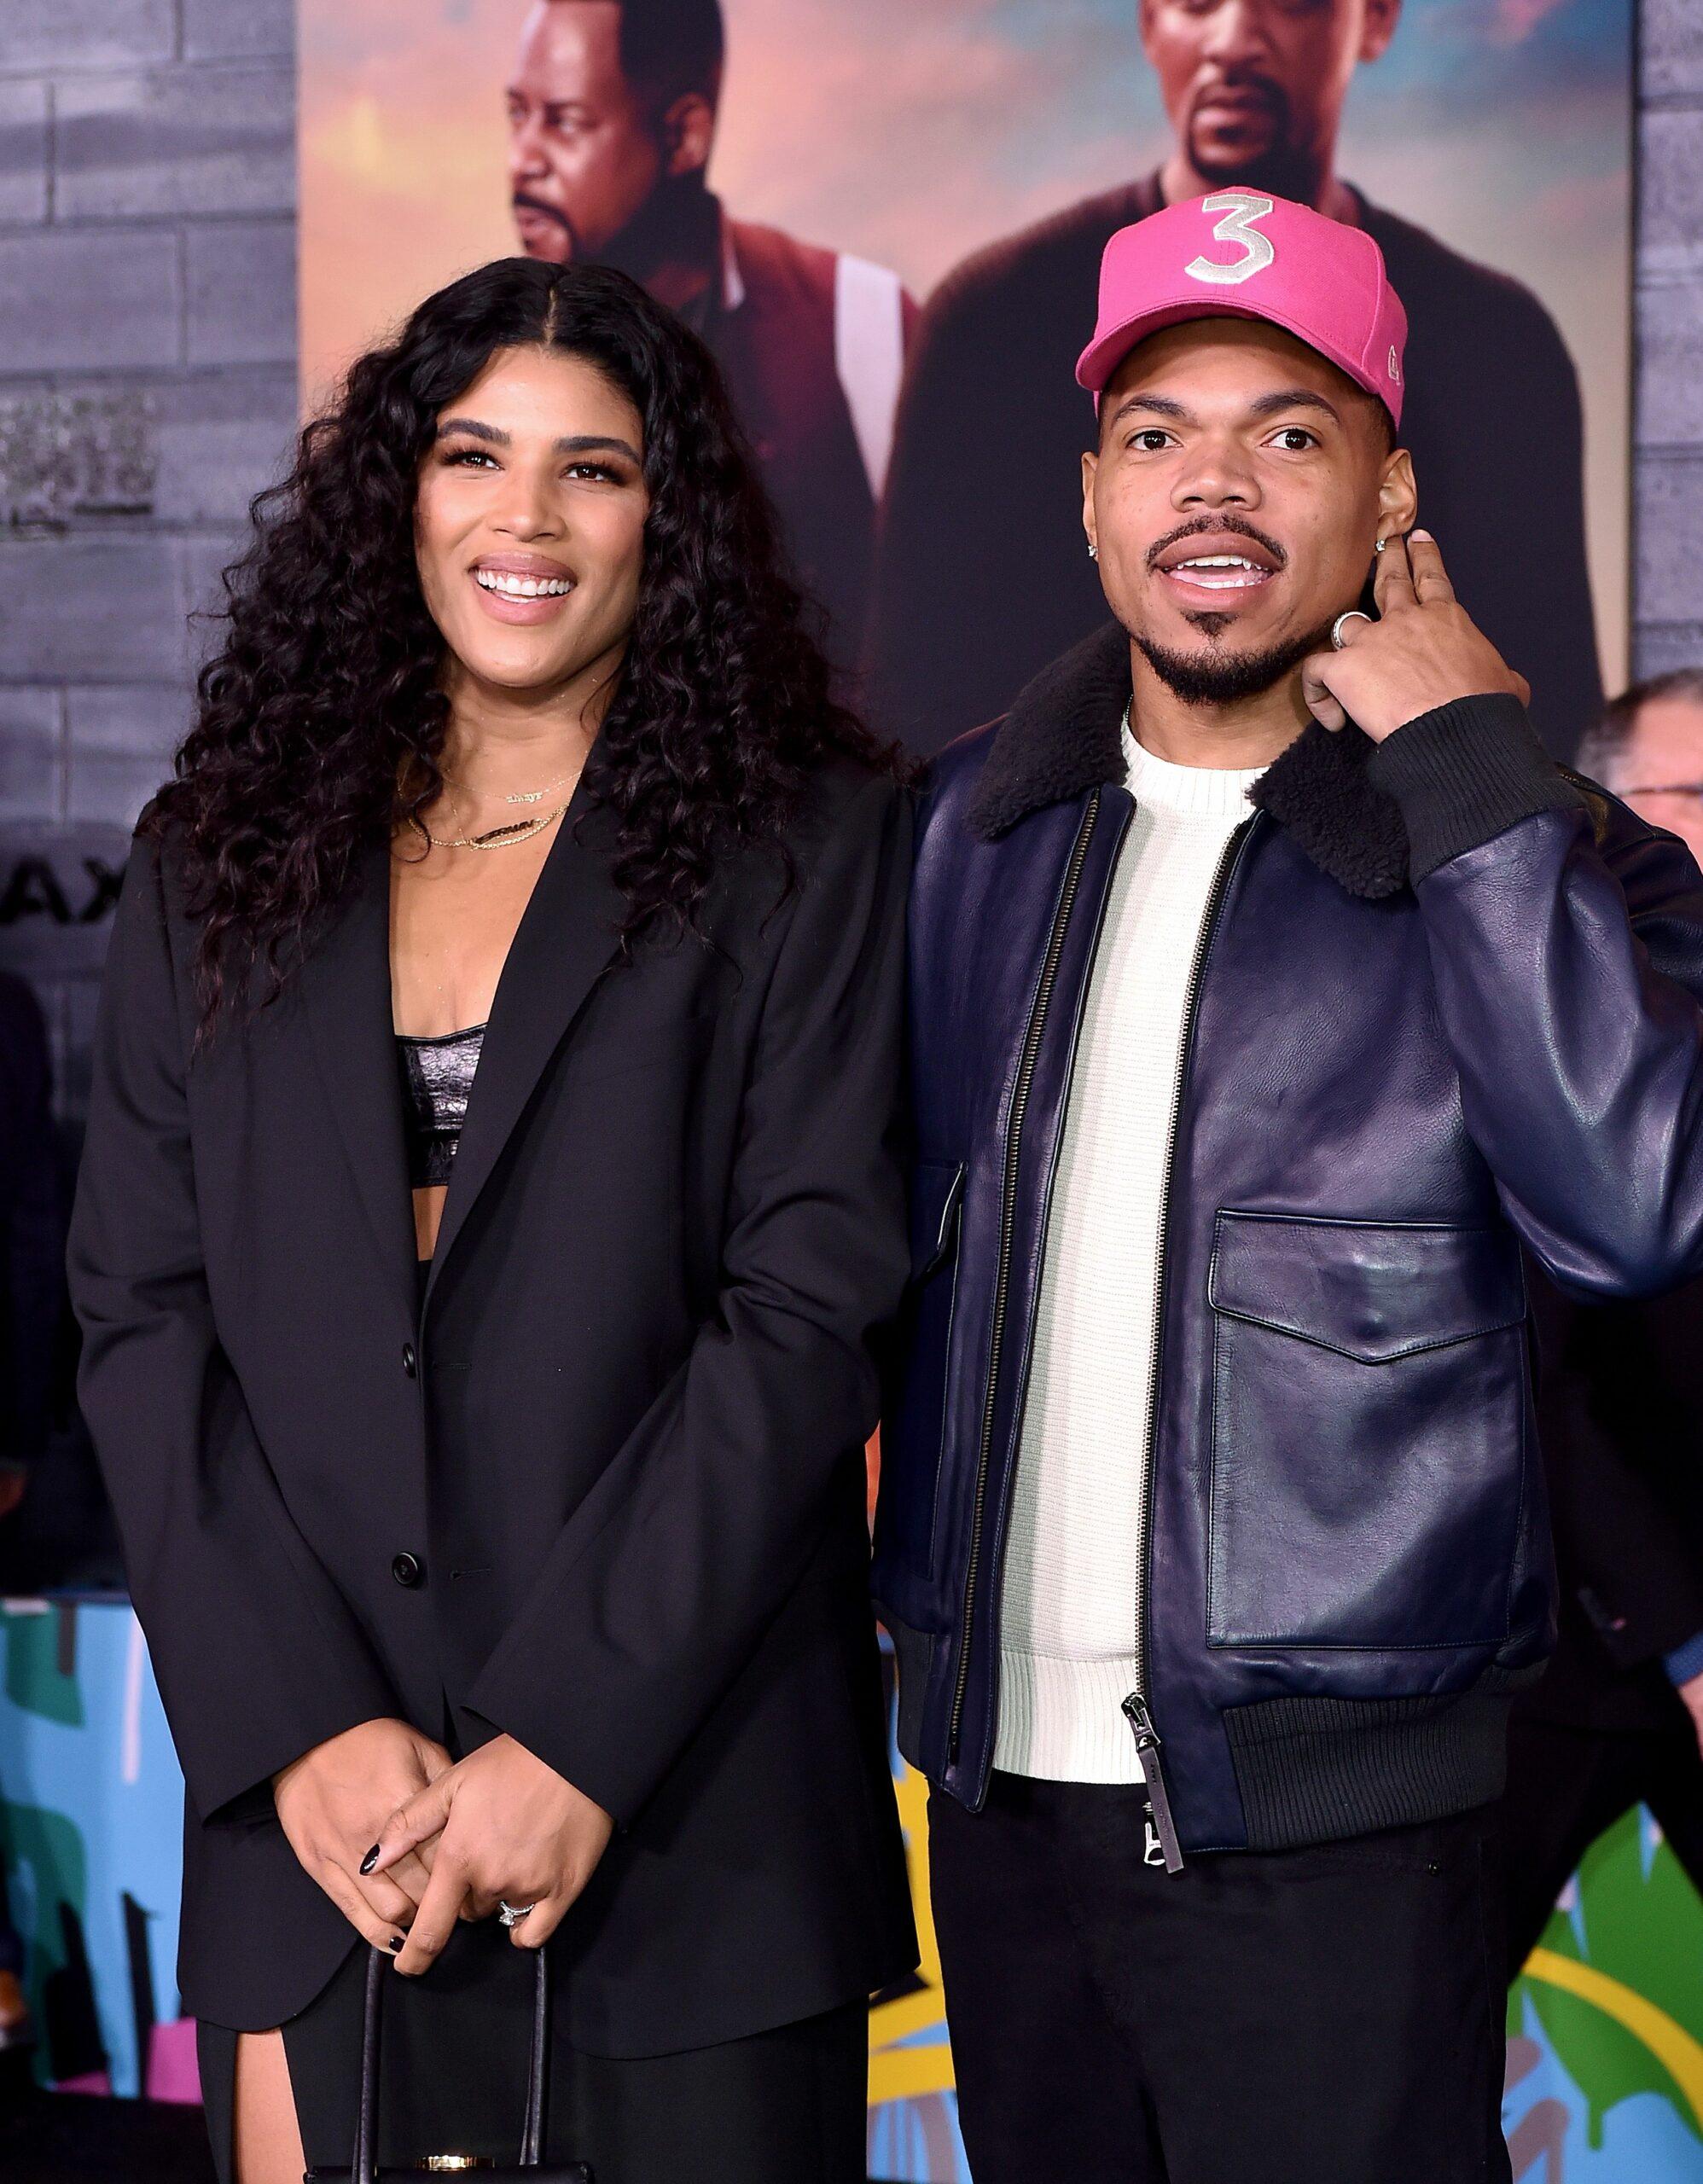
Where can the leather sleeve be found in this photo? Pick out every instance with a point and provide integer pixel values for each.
(662, 1581)
(1566, 953)
(257, 1653)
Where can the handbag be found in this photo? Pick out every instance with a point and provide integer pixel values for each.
(529, 2168)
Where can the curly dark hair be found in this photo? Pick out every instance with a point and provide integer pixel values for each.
(321, 718)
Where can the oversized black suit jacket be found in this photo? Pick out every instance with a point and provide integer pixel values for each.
(621, 1439)
(983, 573)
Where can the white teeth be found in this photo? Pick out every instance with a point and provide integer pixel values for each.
(1221, 571)
(515, 587)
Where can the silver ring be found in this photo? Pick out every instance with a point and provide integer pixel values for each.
(1353, 614)
(511, 1915)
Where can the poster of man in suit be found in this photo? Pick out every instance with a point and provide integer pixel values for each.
(1254, 94)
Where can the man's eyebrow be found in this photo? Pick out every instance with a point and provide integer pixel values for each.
(570, 443)
(1160, 405)
(1294, 398)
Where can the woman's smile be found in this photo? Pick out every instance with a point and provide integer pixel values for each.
(521, 587)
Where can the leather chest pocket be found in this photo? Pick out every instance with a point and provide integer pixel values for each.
(914, 1432)
(1368, 1433)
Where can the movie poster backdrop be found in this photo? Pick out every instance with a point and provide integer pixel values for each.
(885, 219)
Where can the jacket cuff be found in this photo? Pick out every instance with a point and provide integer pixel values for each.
(1464, 773)
(1685, 1661)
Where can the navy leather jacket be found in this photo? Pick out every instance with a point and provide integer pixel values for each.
(1447, 1000)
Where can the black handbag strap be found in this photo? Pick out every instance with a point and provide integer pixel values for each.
(365, 2167)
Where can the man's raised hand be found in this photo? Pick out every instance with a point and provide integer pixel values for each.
(1423, 652)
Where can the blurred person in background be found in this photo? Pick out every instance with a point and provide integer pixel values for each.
(612, 116)
(31, 1304)
(981, 578)
(1618, 1718)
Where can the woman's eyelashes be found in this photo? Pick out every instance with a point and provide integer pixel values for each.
(583, 469)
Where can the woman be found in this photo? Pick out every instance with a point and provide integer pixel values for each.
(505, 1546)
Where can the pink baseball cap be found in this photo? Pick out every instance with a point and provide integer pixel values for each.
(1241, 254)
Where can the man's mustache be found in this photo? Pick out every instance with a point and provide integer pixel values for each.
(1198, 526)
(1245, 79)
(520, 200)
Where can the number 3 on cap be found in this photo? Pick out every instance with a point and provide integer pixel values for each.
(1240, 209)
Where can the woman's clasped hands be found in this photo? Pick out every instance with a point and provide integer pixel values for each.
(454, 1839)
(498, 1828)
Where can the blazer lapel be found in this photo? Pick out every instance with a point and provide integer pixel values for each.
(565, 940)
(346, 999)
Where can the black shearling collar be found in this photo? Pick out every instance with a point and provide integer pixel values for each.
(1062, 737)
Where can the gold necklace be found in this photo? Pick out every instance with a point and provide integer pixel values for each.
(537, 795)
(495, 837)
(525, 795)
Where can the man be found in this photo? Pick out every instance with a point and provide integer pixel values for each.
(979, 580)
(1209, 1540)
(1618, 1717)
(612, 116)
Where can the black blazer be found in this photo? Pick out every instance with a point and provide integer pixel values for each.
(604, 1489)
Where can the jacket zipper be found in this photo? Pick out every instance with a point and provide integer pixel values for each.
(1136, 1706)
(1020, 1101)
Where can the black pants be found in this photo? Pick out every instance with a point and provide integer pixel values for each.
(1565, 1785)
(1324, 2016)
(781, 2107)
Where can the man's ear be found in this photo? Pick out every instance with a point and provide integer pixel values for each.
(1378, 28)
(1090, 464)
(1397, 496)
(688, 130)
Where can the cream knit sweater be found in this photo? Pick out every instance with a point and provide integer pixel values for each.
(1069, 1634)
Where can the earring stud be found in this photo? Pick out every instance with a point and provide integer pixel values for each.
(1094, 553)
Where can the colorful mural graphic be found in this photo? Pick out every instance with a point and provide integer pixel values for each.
(90, 1836)
(1605, 2082)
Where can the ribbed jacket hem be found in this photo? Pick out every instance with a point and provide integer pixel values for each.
(1061, 1720)
(1312, 1770)
(1463, 774)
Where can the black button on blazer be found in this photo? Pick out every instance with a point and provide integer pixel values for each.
(613, 1503)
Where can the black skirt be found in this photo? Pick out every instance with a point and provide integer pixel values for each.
(785, 2106)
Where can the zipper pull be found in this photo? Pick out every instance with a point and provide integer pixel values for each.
(1147, 1743)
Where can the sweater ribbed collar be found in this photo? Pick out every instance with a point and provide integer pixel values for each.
(1189, 792)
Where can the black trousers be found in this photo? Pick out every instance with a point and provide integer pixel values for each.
(1325, 2016)
(786, 2107)
(1565, 1785)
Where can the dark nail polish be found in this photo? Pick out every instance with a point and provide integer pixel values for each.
(395, 1943)
(371, 1859)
